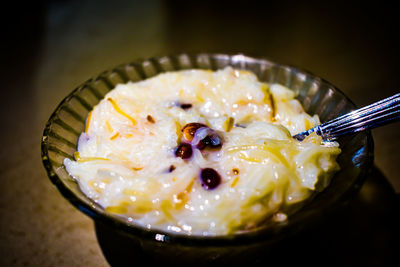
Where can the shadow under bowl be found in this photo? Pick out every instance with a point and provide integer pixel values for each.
(317, 96)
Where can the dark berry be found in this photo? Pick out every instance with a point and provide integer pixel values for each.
(212, 141)
(203, 143)
(171, 168)
(210, 178)
(185, 105)
(184, 151)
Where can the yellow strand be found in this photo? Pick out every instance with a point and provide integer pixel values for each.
(120, 111)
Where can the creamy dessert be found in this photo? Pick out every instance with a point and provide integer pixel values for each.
(201, 152)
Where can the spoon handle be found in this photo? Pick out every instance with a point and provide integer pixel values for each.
(368, 117)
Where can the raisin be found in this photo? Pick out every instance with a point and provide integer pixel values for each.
(190, 129)
(150, 119)
(201, 136)
(184, 151)
(212, 141)
(171, 168)
(210, 178)
(185, 105)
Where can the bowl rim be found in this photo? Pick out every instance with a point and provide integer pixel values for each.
(262, 235)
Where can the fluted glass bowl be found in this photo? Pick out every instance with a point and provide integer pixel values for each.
(61, 134)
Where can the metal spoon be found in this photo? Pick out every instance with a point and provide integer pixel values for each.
(369, 117)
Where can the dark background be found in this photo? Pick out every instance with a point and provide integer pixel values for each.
(50, 47)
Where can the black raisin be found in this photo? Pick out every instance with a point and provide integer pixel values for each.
(184, 151)
(210, 178)
(185, 105)
(212, 141)
(171, 168)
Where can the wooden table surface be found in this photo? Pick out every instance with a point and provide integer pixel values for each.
(50, 47)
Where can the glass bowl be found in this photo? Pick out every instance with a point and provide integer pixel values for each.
(122, 239)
